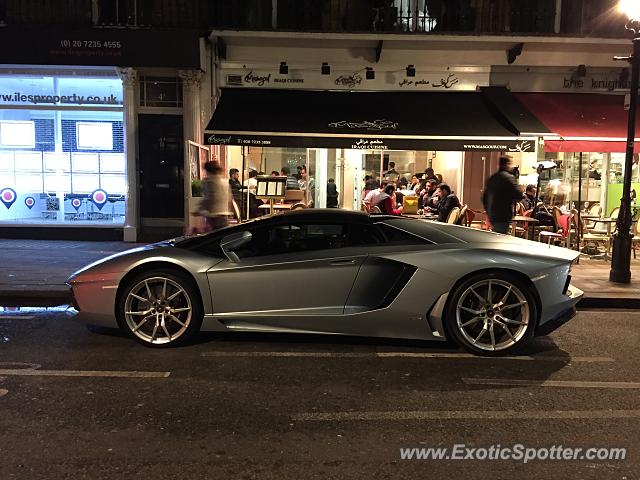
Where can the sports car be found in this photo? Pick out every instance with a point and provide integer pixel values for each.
(335, 272)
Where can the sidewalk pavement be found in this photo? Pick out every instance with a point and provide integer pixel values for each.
(33, 272)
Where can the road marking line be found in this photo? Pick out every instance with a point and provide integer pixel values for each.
(21, 317)
(398, 355)
(82, 373)
(471, 356)
(287, 354)
(551, 383)
(467, 415)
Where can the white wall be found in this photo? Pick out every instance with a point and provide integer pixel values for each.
(449, 165)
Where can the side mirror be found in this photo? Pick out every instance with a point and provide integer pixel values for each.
(232, 242)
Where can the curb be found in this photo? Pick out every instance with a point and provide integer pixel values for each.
(36, 298)
(609, 302)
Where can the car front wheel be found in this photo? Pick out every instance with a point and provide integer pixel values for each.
(491, 314)
(160, 308)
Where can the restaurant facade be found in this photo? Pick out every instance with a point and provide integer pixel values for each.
(585, 108)
(347, 107)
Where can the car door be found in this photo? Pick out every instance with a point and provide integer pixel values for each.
(288, 269)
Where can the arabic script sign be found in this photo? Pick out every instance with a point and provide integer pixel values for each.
(369, 144)
(444, 82)
(427, 79)
(366, 124)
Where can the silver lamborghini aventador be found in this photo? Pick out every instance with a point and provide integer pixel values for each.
(335, 272)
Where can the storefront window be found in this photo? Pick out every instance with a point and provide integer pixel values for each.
(600, 184)
(62, 158)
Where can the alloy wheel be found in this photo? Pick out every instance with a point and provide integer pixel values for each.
(492, 314)
(158, 310)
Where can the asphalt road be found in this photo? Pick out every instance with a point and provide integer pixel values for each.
(81, 404)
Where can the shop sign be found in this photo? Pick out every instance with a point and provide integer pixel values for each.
(364, 143)
(34, 90)
(381, 124)
(450, 81)
(19, 98)
(555, 79)
(438, 79)
(369, 144)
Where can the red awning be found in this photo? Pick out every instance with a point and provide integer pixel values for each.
(585, 122)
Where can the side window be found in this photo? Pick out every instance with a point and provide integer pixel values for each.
(395, 236)
(292, 238)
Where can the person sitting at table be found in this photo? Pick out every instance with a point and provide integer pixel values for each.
(414, 182)
(544, 218)
(429, 196)
(234, 180)
(429, 174)
(529, 197)
(374, 196)
(387, 201)
(447, 202)
(292, 182)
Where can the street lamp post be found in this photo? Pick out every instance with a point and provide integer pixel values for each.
(621, 256)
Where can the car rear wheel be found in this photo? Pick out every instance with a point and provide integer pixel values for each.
(160, 308)
(491, 314)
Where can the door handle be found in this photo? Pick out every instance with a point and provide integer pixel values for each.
(343, 262)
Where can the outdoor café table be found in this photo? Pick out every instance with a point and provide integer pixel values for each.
(523, 219)
(421, 217)
(608, 221)
(277, 206)
(587, 216)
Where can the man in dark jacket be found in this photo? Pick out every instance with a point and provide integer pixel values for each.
(500, 194)
(448, 201)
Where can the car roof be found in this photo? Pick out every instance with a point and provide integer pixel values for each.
(314, 215)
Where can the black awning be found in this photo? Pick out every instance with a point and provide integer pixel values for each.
(364, 120)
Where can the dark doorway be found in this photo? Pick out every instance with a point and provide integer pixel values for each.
(161, 163)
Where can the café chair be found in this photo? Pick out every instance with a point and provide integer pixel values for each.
(453, 215)
(364, 207)
(563, 228)
(374, 209)
(469, 219)
(293, 196)
(236, 211)
(603, 230)
(299, 206)
(462, 216)
(614, 213)
(586, 238)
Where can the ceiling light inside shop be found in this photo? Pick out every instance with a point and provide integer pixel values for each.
(631, 8)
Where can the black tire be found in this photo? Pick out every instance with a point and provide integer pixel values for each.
(466, 316)
(168, 322)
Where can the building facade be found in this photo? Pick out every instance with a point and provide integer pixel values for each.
(105, 124)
